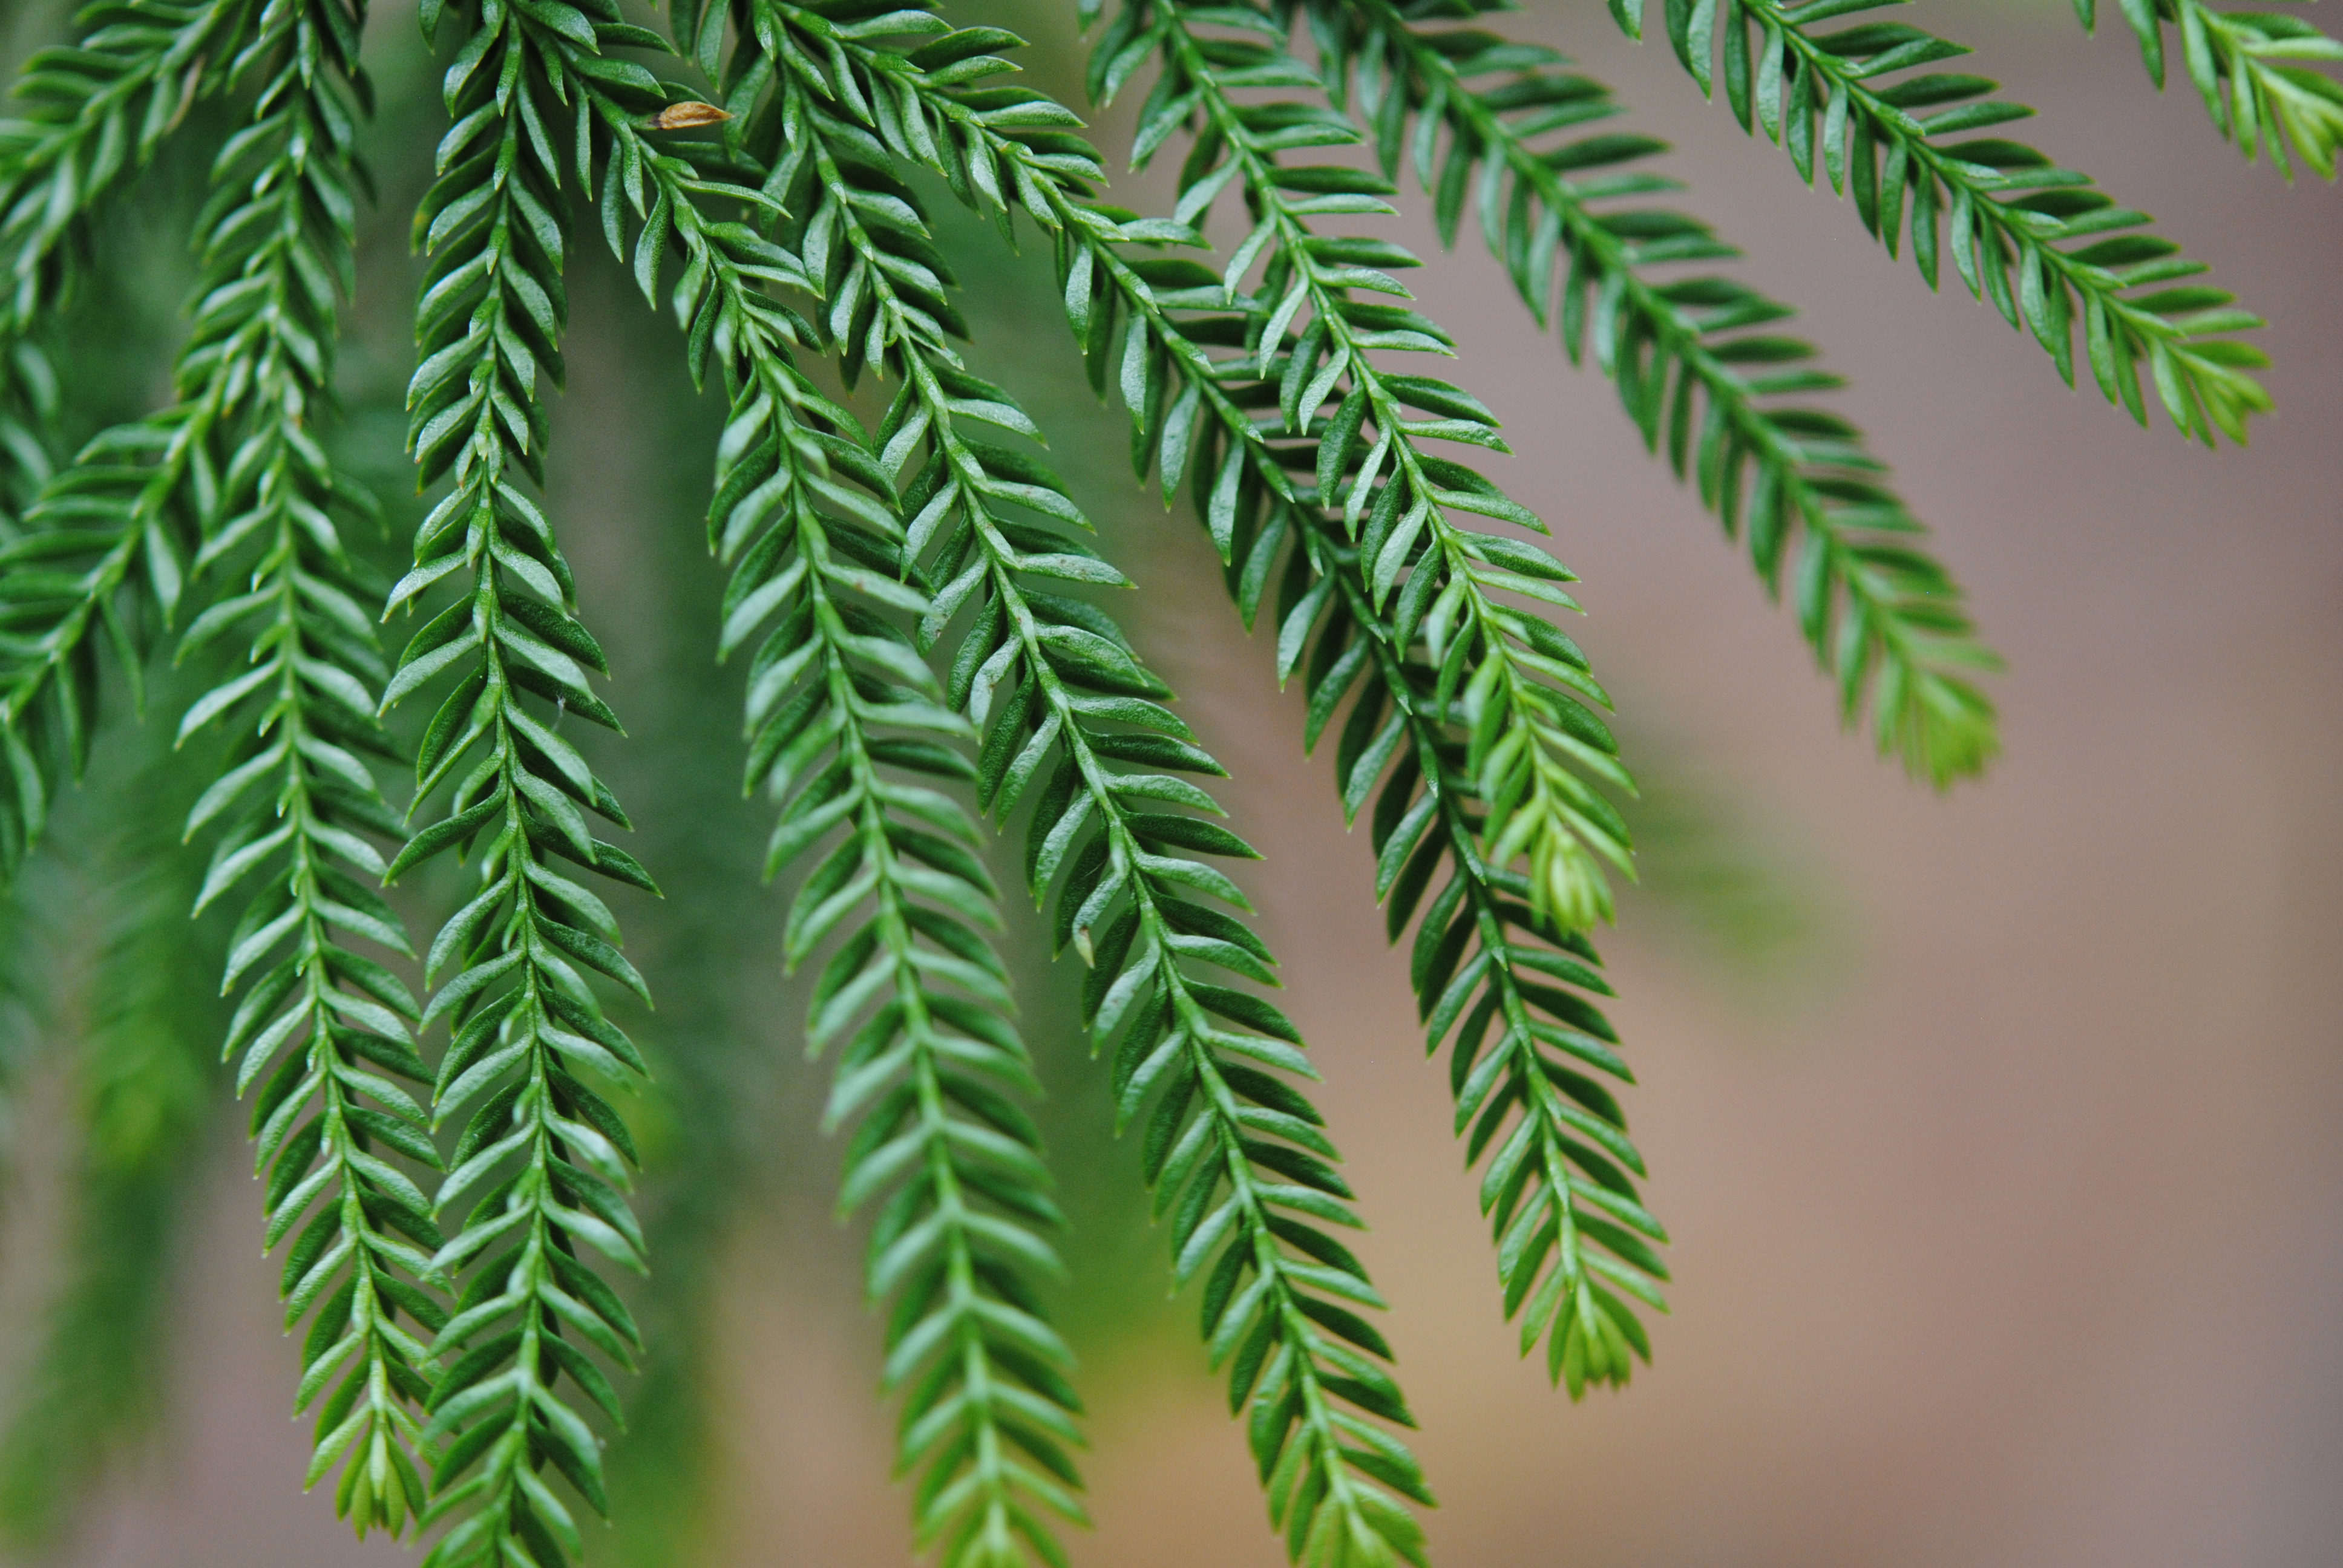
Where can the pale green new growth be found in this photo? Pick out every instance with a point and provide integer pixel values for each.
(925, 644)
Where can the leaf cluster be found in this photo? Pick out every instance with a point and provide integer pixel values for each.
(1999, 209)
(324, 1033)
(542, 1166)
(1360, 612)
(850, 735)
(2241, 63)
(1699, 360)
(1062, 698)
(922, 610)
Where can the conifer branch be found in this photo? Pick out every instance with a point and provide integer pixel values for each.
(1880, 614)
(1479, 932)
(98, 112)
(1057, 679)
(922, 1068)
(1254, 510)
(1531, 743)
(2238, 60)
(988, 1411)
(914, 995)
(804, 515)
(541, 1166)
(1475, 953)
(1567, 1147)
(2007, 207)
(1052, 681)
(320, 1023)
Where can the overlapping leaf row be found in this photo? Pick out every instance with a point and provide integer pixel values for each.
(1558, 1186)
(661, 1468)
(930, 1067)
(2266, 101)
(1235, 1151)
(804, 516)
(102, 547)
(840, 709)
(28, 412)
(1481, 956)
(1258, 509)
(320, 1024)
(1568, 1140)
(988, 1374)
(541, 1165)
(1881, 614)
(1524, 686)
(95, 113)
(1483, 960)
(2005, 209)
(1050, 682)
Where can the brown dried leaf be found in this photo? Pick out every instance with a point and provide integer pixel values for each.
(685, 117)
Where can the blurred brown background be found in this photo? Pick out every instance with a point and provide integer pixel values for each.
(1997, 1135)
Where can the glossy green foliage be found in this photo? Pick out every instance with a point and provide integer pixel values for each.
(920, 608)
(94, 113)
(541, 1169)
(322, 1035)
(110, 553)
(1235, 1151)
(2243, 65)
(1062, 699)
(1379, 617)
(1239, 1166)
(850, 735)
(1522, 689)
(2008, 213)
(1699, 361)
